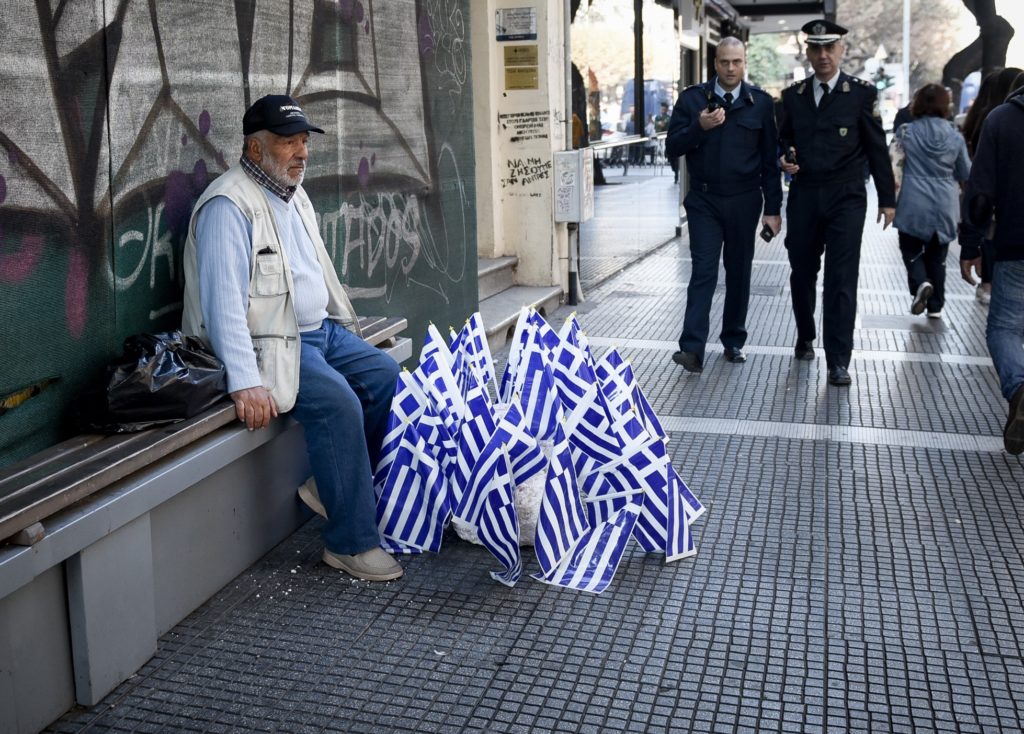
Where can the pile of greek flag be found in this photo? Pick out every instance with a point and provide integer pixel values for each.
(459, 443)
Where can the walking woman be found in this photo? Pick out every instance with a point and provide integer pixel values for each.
(928, 207)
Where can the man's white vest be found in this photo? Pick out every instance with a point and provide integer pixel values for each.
(271, 314)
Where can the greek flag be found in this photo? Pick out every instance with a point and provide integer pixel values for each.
(473, 343)
(542, 409)
(498, 528)
(613, 364)
(548, 338)
(455, 340)
(435, 345)
(519, 339)
(435, 378)
(413, 507)
(520, 449)
(592, 564)
(406, 407)
(572, 333)
(562, 521)
(476, 430)
(574, 374)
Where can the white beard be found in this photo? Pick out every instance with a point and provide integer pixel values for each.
(279, 172)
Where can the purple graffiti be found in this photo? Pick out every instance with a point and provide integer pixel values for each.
(364, 173)
(204, 123)
(184, 139)
(357, 12)
(76, 291)
(16, 266)
(426, 33)
(180, 191)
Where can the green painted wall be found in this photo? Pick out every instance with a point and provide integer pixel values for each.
(115, 116)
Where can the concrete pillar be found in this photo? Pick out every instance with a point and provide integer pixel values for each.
(110, 609)
(519, 103)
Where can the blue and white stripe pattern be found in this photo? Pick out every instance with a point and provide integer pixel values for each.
(413, 506)
(608, 477)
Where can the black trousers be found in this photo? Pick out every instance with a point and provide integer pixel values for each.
(826, 219)
(925, 261)
(719, 226)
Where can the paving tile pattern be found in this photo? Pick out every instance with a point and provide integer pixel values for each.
(839, 586)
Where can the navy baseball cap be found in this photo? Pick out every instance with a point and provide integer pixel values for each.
(278, 113)
(823, 32)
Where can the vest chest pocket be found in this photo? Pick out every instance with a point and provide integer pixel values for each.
(268, 276)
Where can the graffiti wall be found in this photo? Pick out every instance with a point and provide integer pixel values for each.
(115, 114)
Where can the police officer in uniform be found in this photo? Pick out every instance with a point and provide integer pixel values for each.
(726, 129)
(831, 128)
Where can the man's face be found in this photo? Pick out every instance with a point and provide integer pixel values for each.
(825, 59)
(283, 158)
(730, 65)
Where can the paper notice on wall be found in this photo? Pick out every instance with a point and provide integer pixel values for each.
(515, 24)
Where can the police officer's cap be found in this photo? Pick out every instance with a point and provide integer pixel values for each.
(823, 32)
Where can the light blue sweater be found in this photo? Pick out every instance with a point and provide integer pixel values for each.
(224, 255)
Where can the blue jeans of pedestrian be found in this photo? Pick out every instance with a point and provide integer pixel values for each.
(345, 392)
(1005, 330)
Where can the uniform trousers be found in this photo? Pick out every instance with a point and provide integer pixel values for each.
(720, 227)
(826, 219)
(345, 392)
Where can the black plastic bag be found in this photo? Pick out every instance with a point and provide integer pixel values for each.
(162, 378)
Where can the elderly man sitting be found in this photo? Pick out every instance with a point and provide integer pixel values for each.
(262, 291)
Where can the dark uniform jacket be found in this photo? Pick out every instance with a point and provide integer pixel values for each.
(834, 141)
(738, 156)
(998, 175)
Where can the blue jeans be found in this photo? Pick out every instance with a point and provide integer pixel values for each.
(345, 391)
(1005, 331)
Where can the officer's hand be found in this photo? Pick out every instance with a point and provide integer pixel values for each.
(774, 222)
(790, 168)
(709, 120)
(965, 270)
(888, 213)
(254, 406)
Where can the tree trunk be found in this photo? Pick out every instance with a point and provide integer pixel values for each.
(987, 51)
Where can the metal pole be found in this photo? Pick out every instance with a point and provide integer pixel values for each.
(906, 51)
(638, 67)
(573, 229)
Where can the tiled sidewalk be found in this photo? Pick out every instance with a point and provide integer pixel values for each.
(860, 566)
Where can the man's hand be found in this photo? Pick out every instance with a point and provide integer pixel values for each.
(790, 168)
(254, 407)
(709, 120)
(965, 270)
(887, 213)
(775, 222)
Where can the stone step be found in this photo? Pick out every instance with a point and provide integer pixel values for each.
(495, 274)
(500, 311)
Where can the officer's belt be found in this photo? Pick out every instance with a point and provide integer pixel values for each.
(825, 179)
(725, 189)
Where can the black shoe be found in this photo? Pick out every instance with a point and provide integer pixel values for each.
(735, 355)
(804, 350)
(924, 292)
(689, 361)
(839, 376)
(1013, 433)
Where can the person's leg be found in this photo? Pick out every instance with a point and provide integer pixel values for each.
(332, 415)
(804, 245)
(371, 373)
(1004, 333)
(913, 251)
(845, 226)
(935, 263)
(1005, 329)
(739, 221)
(705, 249)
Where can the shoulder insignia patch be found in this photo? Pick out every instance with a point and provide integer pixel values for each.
(800, 89)
(846, 86)
(862, 82)
(876, 111)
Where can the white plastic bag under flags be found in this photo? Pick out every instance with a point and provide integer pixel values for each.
(414, 506)
(592, 564)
